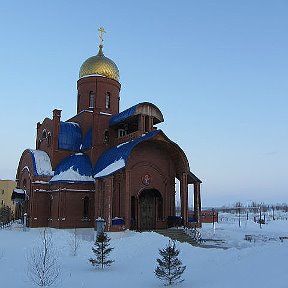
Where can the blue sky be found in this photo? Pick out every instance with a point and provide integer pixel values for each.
(216, 69)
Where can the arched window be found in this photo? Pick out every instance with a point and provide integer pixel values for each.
(24, 183)
(44, 134)
(91, 99)
(108, 100)
(86, 207)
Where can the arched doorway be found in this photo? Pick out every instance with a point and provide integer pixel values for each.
(151, 209)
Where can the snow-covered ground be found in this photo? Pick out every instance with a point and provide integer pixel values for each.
(259, 263)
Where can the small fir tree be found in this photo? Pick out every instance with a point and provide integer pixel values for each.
(169, 267)
(6, 215)
(101, 251)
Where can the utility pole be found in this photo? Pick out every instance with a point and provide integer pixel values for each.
(239, 210)
(260, 217)
(213, 220)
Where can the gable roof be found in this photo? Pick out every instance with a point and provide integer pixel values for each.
(116, 158)
(74, 168)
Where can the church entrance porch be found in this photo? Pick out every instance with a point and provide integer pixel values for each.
(150, 209)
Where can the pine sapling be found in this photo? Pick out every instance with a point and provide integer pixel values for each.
(170, 268)
(101, 250)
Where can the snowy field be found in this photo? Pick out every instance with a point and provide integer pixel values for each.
(260, 262)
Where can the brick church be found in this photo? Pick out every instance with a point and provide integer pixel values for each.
(104, 163)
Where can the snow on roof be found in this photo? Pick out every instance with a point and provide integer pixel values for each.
(75, 168)
(116, 158)
(18, 195)
(110, 169)
(71, 175)
(41, 163)
(19, 191)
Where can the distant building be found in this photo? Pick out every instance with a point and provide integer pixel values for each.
(6, 189)
(209, 216)
(104, 163)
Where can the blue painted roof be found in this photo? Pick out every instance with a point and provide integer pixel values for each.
(123, 115)
(87, 141)
(74, 168)
(121, 151)
(70, 136)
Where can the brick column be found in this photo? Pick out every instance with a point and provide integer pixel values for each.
(108, 201)
(184, 198)
(98, 198)
(197, 203)
(150, 123)
(141, 123)
(127, 206)
(37, 134)
(55, 135)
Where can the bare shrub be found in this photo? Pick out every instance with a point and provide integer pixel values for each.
(74, 242)
(43, 267)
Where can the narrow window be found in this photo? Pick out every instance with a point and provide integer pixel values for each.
(106, 136)
(108, 98)
(50, 207)
(24, 184)
(91, 99)
(49, 138)
(86, 207)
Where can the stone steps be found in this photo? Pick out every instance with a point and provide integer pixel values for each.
(178, 234)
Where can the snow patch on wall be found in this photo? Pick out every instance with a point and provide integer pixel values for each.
(117, 165)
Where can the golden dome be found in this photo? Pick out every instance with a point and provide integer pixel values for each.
(99, 65)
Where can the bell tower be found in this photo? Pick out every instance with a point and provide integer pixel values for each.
(99, 92)
(98, 85)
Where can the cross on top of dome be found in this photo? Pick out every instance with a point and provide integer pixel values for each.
(101, 30)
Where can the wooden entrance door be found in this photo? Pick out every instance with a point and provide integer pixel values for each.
(147, 210)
